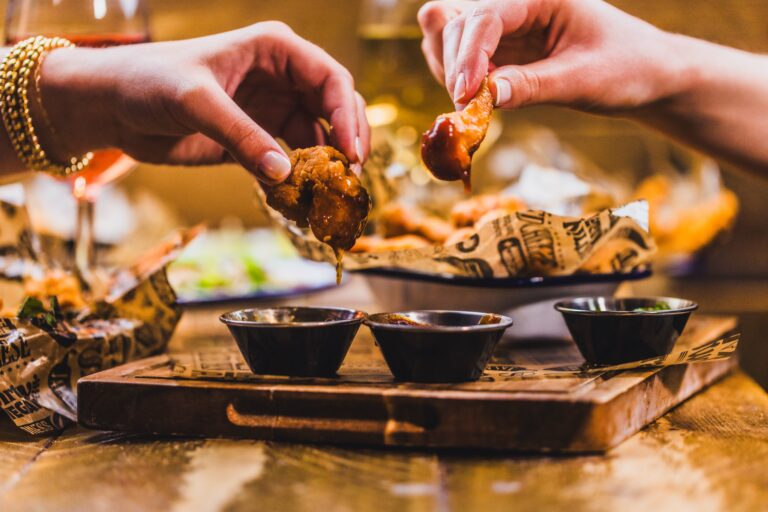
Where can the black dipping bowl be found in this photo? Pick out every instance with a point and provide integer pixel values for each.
(449, 346)
(306, 342)
(610, 331)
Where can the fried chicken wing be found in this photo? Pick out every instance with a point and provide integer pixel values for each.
(398, 219)
(323, 194)
(469, 211)
(395, 243)
(447, 147)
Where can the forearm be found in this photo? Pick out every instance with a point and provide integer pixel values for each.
(60, 106)
(722, 106)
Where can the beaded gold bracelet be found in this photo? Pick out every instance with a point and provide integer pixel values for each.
(15, 73)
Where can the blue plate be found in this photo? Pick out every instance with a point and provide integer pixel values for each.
(258, 296)
(506, 282)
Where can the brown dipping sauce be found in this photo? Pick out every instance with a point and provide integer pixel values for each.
(490, 319)
(442, 153)
(447, 147)
(339, 264)
(398, 319)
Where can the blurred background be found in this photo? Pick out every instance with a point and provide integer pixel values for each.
(208, 195)
(379, 41)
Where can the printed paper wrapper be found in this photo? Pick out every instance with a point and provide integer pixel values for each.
(38, 374)
(228, 364)
(525, 244)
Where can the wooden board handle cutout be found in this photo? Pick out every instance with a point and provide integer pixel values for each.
(281, 422)
(392, 427)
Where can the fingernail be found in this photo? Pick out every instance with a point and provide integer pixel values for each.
(275, 166)
(356, 168)
(359, 149)
(460, 88)
(503, 91)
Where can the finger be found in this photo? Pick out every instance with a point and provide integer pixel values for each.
(325, 84)
(483, 28)
(435, 63)
(321, 134)
(480, 38)
(451, 41)
(340, 104)
(195, 149)
(210, 111)
(363, 145)
(432, 18)
(551, 80)
(302, 130)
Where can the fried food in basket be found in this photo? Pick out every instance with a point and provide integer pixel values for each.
(322, 193)
(469, 211)
(680, 228)
(398, 219)
(401, 227)
(57, 283)
(395, 243)
(447, 147)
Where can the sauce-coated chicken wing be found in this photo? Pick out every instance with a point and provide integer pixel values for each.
(447, 147)
(322, 193)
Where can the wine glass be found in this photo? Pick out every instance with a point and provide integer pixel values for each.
(93, 23)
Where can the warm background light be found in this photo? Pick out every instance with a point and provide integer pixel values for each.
(210, 194)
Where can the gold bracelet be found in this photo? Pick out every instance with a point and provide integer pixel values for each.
(41, 108)
(14, 105)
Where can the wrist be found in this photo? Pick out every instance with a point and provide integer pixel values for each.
(684, 66)
(671, 76)
(691, 68)
(69, 104)
(47, 134)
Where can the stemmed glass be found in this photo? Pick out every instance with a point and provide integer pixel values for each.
(93, 23)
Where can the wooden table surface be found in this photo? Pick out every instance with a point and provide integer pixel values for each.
(708, 454)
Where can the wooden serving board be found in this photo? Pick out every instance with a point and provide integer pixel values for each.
(364, 406)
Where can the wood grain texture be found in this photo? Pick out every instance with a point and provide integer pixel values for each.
(707, 454)
(585, 414)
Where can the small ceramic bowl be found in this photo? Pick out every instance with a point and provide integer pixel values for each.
(614, 331)
(302, 341)
(437, 346)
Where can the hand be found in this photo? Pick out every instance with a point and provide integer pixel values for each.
(582, 53)
(206, 100)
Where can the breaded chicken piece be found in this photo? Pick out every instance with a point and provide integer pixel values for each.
(469, 211)
(398, 219)
(447, 147)
(323, 194)
(395, 243)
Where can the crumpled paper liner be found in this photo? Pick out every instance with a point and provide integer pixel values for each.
(525, 244)
(38, 374)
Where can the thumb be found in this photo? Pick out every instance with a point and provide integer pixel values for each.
(214, 114)
(544, 81)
